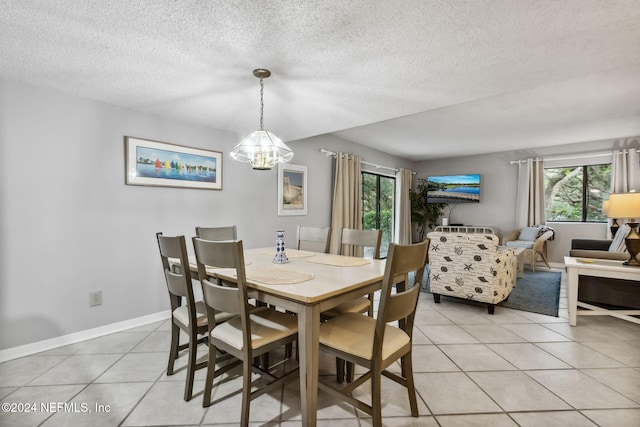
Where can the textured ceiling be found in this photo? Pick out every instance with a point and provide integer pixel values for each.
(416, 78)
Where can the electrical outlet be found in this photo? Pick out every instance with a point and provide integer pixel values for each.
(95, 298)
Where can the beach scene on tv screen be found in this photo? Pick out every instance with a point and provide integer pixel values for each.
(453, 188)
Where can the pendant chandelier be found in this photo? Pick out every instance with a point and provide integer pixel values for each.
(262, 149)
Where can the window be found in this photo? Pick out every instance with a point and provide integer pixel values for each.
(575, 194)
(378, 202)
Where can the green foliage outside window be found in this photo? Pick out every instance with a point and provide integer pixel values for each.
(378, 200)
(576, 193)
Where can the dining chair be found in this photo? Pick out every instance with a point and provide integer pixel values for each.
(374, 343)
(190, 317)
(217, 233)
(253, 332)
(353, 242)
(314, 239)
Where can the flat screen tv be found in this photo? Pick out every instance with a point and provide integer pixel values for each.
(453, 189)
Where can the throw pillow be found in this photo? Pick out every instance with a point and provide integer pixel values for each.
(529, 234)
(618, 244)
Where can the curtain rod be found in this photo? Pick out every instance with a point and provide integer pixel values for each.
(331, 153)
(583, 156)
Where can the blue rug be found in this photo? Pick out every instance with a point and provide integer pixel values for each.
(536, 292)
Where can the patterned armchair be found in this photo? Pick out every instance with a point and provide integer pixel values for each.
(471, 266)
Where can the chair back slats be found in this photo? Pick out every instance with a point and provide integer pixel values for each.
(219, 254)
(400, 306)
(217, 233)
(222, 254)
(360, 239)
(220, 297)
(176, 283)
(400, 261)
(170, 247)
(314, 239)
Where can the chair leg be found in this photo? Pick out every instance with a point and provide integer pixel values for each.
(491, 308)
(407, 370)
(436, 298)
(546, 261)
(191, 366)
(173, 349)
(339, 370)
(376, 397)
(351, 371)
(211, 370)
(246, 393)
(288, 350)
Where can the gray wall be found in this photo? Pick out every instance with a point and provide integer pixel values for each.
(69, 225)
(499, 188)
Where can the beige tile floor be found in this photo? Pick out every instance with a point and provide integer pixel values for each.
(471, 369)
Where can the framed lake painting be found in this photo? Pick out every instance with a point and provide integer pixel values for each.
(292, 189)
(168, 165)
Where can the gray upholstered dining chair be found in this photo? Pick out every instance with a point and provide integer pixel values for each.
(374, 343)
(314, 239)
(252, 333)
(190, 317)
(217, 233)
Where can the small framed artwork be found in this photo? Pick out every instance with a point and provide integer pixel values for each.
(292, 189)
(161, 164)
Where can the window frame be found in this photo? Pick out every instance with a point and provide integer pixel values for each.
(378, 209)
(585, 192)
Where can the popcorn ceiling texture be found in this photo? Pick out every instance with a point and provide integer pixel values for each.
(486, 75)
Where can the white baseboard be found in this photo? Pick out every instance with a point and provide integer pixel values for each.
(558, 265)
(40, 346)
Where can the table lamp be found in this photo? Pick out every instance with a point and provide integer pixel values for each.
(614, 225)
(627, 205)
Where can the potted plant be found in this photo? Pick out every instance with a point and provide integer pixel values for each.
(423, 214)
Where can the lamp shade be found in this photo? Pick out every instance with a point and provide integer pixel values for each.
(262, 150)
(605, 207)
(624, 205)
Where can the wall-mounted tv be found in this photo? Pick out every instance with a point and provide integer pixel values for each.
(453, 189)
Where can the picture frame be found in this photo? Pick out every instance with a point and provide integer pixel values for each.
(161, 164)
(292, 189)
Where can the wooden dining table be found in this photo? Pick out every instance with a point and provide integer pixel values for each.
(307, 285)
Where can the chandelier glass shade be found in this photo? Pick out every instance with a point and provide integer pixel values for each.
(261, 148)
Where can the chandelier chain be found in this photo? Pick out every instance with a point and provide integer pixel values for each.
(261, 104)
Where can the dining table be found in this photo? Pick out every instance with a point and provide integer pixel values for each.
(308, 284)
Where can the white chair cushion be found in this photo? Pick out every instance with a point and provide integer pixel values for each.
(529, 233)
(618, 244)
(527, 244)
(181, 314)
(267, 326)
(353, 333)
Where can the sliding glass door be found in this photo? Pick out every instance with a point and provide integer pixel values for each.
(378, 206)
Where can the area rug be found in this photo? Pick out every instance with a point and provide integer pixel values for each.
(536, 292)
